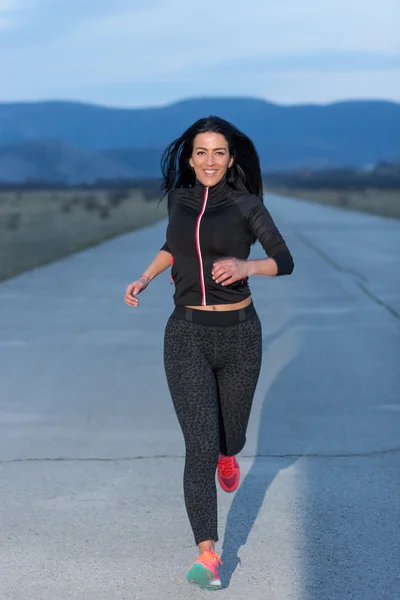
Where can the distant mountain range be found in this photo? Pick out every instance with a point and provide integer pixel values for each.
(73, 142)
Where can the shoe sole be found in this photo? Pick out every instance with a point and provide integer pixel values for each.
(200, 576)
(229, 490)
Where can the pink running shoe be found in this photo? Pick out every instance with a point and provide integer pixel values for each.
(204, 571)
(228, 473)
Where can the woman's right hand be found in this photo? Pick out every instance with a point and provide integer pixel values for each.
(133, 290)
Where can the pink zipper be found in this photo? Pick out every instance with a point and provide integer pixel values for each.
(202, 283)
(172, 263)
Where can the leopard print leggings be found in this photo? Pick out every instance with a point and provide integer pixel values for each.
(212, 363)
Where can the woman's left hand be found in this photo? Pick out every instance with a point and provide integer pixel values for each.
(229, 270)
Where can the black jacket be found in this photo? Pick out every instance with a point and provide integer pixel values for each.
(211, 223)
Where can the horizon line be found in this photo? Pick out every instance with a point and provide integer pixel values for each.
(196, 99)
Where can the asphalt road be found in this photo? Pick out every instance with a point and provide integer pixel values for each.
(91, 455)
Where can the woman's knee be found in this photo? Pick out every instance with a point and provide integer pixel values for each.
(202, 457)
(233, 447)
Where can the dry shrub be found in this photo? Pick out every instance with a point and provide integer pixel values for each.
(91, 204)
(104, 212)
(116, 197)
(12, 222)
(66, 207)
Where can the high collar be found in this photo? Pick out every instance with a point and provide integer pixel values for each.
(215, 192)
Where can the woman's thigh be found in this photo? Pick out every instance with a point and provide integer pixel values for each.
(237, 381)
(192, 384)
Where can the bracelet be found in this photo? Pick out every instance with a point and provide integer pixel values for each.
(144, 277)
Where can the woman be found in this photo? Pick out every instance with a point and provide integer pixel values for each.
(212, 345)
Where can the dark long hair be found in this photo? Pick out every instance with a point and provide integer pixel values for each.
(245, 173)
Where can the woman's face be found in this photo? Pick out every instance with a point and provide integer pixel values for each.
(210, 157)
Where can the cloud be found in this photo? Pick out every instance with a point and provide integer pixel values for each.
(45, 20)
(82, 47)
(8, 5)
(7, 12)
(77, 11)
(334, 61)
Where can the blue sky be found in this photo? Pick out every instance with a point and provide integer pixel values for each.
(153, 52)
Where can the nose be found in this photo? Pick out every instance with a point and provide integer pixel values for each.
(210, 159)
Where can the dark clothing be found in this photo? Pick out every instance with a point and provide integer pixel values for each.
(213, 359)
(211, 223)
(212, 363)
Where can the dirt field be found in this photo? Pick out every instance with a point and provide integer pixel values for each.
(380, 202)
(39, 227)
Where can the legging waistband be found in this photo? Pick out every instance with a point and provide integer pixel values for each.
(218, 318)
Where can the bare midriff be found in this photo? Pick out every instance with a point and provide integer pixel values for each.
(224, 307)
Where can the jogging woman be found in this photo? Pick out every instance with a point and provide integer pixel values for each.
(212, 344)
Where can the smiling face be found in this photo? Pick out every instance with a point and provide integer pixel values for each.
(210, 157)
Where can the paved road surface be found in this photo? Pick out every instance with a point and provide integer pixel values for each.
(91, 456)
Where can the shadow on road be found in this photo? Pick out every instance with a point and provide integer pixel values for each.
(280, 348)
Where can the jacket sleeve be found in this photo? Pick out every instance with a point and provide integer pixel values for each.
(165, 246)
(263, 227)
